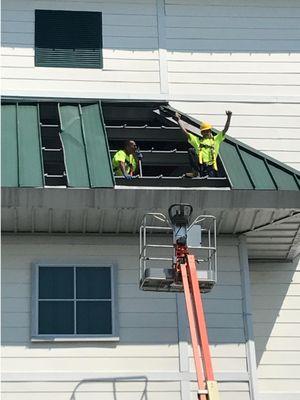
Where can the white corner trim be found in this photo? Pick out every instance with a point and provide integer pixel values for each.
(247, 314)
(185, 385)
(162, 47)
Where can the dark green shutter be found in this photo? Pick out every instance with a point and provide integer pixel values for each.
(70, 39)
(21, 148)
(85, 145)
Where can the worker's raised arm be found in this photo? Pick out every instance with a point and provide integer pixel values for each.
(226, 127)
(183, 128)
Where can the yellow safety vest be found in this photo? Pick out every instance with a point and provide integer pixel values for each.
(207, 149)
(129, 160)
(207, 152)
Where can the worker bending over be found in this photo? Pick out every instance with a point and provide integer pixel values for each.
(203, 155)
(125, 162)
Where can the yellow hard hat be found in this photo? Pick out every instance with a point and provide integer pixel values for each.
(205, 126)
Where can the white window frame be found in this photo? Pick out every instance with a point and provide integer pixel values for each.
(36, 337)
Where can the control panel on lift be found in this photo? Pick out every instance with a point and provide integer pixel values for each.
(161, 235)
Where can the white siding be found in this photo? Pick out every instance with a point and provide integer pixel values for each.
(276, 316)
(273, 128)
(130, 49)
(230, 49)
(148, 327)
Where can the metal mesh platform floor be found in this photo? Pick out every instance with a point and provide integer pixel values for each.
(168, 285)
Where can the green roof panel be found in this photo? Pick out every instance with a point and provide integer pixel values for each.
(74, 146)
(85, 144)
(256, 168)
(9, 146)
(30, 158)
(97, 149)
(21, 147)
(283, 179)
(235, 167)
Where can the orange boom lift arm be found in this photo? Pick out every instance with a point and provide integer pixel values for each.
(186, 272)
(183, 276)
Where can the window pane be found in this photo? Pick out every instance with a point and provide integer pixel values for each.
(93, 283)
(56, 283)
(56, 317)
(94, 317)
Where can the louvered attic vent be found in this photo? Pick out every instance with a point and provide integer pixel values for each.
(68, 39)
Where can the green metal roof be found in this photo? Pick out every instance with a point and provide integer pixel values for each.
(82, 137)
(248, 168)
(84, 151)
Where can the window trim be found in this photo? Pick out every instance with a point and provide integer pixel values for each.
(36, 337)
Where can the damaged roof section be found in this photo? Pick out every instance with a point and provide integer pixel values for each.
(162, 143)
(71, 145)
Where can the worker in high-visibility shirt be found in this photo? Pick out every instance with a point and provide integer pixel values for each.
(203, 155)
(125, 161)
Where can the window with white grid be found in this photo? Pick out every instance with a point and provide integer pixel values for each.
(74, 301)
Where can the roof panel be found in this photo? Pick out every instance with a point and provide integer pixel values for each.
(21, 147)
(96, 146)
(30, 157)
(74, 146)
(283, 179)
(257, 169)
(9, 146)
(234, 166)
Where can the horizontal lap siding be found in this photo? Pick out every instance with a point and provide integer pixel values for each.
(130, 49)
(239, 48)
(148, 322)
(275, 292)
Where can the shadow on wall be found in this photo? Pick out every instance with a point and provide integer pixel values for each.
(190, 26)
(114, 382)
(275, 292)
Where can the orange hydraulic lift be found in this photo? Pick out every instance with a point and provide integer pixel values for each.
(183, 276)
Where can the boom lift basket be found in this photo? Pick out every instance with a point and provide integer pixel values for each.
(157, 252)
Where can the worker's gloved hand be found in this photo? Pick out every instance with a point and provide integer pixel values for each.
(128, 177)
(139, 154)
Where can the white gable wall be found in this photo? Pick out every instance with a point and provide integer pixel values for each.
(205, 56)
(130, 50)
(149, 329)
(275, 292)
